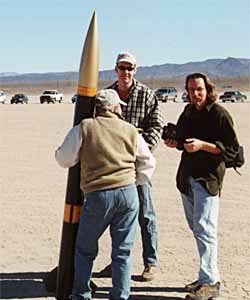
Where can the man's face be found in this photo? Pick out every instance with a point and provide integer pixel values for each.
(197, 92)
(125, 72)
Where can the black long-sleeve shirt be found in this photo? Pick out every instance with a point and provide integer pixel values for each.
(212, 124)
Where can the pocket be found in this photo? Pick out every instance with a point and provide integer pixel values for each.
(130, 198)
(96, 203)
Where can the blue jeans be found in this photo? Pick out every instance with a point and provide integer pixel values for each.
(117, 208)
(147, 221)
(201, 210)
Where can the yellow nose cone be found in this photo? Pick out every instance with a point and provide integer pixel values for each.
(89, 66)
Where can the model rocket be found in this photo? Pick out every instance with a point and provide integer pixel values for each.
(86, 91)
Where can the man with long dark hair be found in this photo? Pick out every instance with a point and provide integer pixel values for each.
(206, 137)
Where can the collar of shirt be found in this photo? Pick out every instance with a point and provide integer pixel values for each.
(190, 109)
(131, 90)
(108, 114)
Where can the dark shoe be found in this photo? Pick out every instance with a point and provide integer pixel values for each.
(148, 273)
(205, 292)
(72, 297)
(93, 287)
(106, 272)
(191, 287)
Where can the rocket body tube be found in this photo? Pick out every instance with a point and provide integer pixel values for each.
(87, 88)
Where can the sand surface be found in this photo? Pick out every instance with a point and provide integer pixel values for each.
(33, 186)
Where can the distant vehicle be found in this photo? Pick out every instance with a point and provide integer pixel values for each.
(227, 87)
(51, 96)
(74, 98)
(2, 97)
(184, 97)
(165, 94)
(233, 96)
(19, 98)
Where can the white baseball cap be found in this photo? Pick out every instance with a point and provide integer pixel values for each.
(108, 97)
(126, 57)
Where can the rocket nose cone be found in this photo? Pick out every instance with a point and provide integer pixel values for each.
(88, 72)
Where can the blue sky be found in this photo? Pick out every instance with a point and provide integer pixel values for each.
(48, 35)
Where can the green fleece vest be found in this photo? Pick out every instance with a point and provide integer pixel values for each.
(108, 153)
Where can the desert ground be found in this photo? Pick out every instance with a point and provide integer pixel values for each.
(33, 186)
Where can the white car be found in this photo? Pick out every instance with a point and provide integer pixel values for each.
(165, 94)
(51, 96)
(2, 97)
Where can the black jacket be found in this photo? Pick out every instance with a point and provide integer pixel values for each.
(212, 124)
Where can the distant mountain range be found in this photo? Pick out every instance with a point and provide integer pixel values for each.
(229, 67)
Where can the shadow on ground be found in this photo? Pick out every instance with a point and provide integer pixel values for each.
(30, 285)
(23, 285)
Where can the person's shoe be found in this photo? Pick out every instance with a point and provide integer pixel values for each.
(72, 297)
(205, 292)
(148, 273)
(93, 287)
(106, 272)
(191, 287)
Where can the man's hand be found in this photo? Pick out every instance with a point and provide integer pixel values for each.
(170, 143)
(193, 145)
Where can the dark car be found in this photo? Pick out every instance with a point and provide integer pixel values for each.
(184, 96)
(167, 93)
(19, 98)
(74, 98)
(233, 96)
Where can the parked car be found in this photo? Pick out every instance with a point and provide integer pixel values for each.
(2, 97)
(184, 97)
(165, 94)
(51, 96)
(233, 96)
(19, 98)
(74, 98)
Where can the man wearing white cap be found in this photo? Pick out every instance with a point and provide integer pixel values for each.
(142, 111)
(108, 149)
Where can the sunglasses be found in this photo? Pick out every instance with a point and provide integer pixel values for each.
(123, 68)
